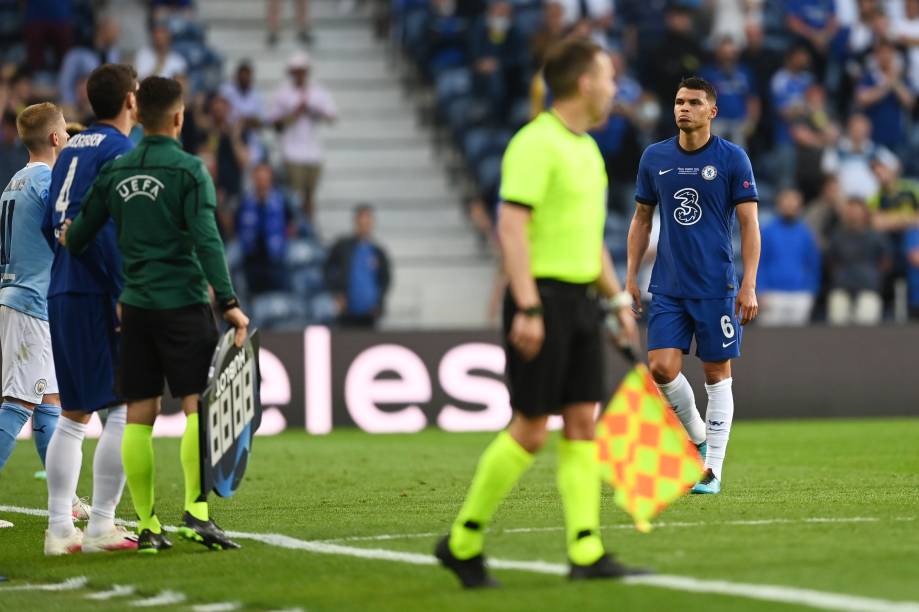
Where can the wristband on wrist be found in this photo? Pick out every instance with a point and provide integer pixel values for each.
(228, 304)
(532, 311)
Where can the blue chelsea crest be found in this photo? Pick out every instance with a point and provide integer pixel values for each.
(709, 173)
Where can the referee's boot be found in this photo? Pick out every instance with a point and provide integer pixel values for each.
(149, 543)
(605, 567)
(206, 533)
(472, 573)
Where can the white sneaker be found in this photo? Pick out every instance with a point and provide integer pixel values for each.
(118, 538)
(80, 509)
(55, 546)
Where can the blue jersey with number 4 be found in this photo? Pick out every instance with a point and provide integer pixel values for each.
(696, 192)
(98, 270)
(25, 256)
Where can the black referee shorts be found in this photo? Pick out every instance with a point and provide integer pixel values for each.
(176, 344)
(569, 367)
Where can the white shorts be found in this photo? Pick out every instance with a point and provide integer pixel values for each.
(28, 364)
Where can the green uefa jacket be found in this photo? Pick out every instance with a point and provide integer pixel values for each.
(163, 203)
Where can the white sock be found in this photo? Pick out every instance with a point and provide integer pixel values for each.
(679, 393)
(63, 462)
(108, 474)
(718, 418)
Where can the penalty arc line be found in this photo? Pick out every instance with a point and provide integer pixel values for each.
(763, 592)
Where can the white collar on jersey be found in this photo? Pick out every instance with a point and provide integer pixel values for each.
(33, 164)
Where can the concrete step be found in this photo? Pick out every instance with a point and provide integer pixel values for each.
(251, 43)
(386, 202)
(275, 70)
(435, 188)
(361, 142)
(248, 10)
(395, 225)
(417, 161)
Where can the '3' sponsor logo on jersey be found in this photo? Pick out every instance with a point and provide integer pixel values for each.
(688, 211)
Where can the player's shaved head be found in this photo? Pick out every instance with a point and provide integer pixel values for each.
(158, 100)
(566, 63)
(36, 124)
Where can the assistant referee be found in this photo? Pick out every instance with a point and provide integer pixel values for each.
(552, 217)
(163, 203)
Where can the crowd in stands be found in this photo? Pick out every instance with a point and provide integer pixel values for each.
(260, 148)
(821, 93)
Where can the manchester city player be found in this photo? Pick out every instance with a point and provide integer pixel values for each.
(29, 384)
(700, 182)
(82, 310)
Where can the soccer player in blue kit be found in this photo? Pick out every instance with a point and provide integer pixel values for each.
(700, 182)
(82, 310)
(29, 383)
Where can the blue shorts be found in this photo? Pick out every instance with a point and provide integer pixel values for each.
(85, 346)
(672, 323)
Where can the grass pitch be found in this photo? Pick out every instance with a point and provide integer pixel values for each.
(824, 505)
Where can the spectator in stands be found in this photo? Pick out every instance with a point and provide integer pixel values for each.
(304, 33)
(912, 273)
(905, 32)
(858, 257)
(80, 61)
(552, 31)
(164, 9)
(445, 38)
(896, 204)
(357, 273)
(850, 159)
(598, 14)
(619, 139)
(763, 62)
(813, 23)
(896, 210)
(788, 88)
(264, 221)
(13, 154)
(159, 59)
(823, 214)
(812, 131)
(245, 101)
(678, 54)
(738, 104)
(885, 97)
(299, 107)
(48, 26)
(20, 92)
(789, 269)
(498, 55)
(226, 141)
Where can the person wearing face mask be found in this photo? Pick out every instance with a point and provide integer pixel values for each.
(498, 54)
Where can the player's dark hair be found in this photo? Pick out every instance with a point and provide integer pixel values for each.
(566, 63)
(362, 208)
(699, 84)
(157, 99)
(36, 123)
(108, 86)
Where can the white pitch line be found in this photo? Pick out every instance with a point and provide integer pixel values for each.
(165, 598)
(622, 526)
(116, 591)
(762, 592)
(71, 584)
(217, 607)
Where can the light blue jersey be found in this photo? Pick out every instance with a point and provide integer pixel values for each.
(25, 255)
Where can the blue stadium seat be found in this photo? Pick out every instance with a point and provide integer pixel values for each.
(528, 19)
(488, 173)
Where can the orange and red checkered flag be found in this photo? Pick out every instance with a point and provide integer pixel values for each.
(644, 451)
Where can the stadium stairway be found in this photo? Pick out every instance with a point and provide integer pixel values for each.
(375, 153)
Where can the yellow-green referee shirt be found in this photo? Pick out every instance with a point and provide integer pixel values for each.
(561, 177)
